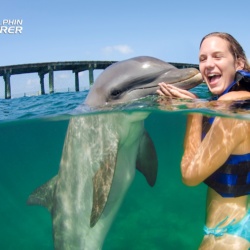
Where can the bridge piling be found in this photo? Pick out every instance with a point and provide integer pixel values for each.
(41, 76)
(51, 81)
(6, 78)
(76, 81)
(91, 75)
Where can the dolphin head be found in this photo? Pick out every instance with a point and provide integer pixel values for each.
(138, 77)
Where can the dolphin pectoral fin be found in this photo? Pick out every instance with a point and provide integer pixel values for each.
(43, 195)
(147, 162)
(102, 182)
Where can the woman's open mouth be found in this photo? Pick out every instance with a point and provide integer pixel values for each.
(213, 78)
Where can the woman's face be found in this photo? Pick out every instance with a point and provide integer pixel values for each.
(217, 64)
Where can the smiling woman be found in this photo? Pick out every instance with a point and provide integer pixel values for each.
(218, 63)
(217, 150)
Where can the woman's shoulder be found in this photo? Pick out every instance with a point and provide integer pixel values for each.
(235, 95)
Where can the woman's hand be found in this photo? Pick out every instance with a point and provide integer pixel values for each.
(171, 91)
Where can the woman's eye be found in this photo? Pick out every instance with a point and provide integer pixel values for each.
(202, 59)
(218, 55)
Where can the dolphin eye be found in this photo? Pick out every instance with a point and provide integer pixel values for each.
(116, 93)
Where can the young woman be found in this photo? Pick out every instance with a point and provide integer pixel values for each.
(217, 150)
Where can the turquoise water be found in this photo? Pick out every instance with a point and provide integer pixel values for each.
(32, 131)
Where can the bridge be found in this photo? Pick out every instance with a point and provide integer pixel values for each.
(48, 68)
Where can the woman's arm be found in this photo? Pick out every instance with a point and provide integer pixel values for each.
(192, 143)
(202, 158)
(225, 137)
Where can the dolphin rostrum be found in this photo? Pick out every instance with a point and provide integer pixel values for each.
(101, 152)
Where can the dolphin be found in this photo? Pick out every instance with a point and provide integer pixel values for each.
(102, 152)
(137, 77)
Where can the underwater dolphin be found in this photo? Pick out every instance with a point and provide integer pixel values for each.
(101, 152)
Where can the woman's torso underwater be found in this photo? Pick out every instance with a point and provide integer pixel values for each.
(228, 205)
(219, 207)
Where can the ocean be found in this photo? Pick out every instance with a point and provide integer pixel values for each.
(169, 215)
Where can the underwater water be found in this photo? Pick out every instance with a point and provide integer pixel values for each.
(169, 215)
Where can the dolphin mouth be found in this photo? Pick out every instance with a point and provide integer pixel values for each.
(186, 82)
(144, 88)
(190, 82)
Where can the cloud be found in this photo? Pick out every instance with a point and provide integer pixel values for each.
(32, 81)
(82, 73)
(122, 48)
(63, 75)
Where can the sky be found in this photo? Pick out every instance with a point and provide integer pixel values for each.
(78, 30)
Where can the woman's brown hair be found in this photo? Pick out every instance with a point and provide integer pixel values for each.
(235, 48)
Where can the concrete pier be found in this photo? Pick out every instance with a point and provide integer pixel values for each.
(91, 75)
(77, 81)
(49, 68)
(41, 75)
(51, 81)
(6, 77)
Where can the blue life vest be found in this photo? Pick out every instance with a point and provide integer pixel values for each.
(232, 179)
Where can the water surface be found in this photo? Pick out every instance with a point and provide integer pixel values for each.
(167, 216)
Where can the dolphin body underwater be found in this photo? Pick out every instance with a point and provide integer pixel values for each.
(102, 151)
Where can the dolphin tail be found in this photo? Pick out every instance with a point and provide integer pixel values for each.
(43, 195)
(147, 162)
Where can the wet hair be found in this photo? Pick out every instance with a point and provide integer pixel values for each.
(234, 47)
